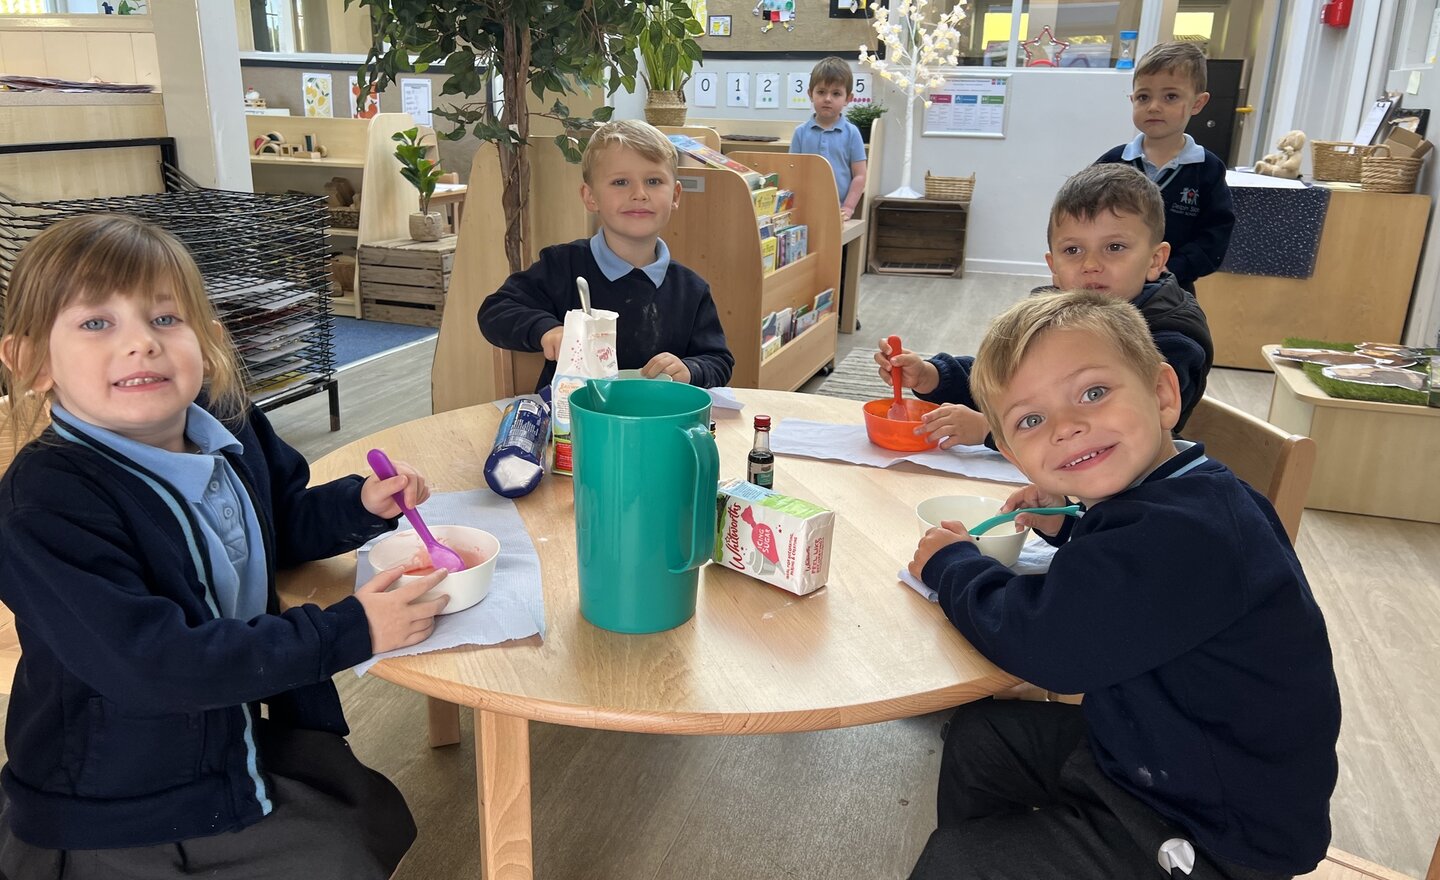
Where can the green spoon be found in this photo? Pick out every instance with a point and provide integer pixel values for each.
(992, 522)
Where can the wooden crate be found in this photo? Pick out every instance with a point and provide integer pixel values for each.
(918, 237)
(405, 281)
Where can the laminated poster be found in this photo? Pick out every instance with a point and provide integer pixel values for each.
(318, 91)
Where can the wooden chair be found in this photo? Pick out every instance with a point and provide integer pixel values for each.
(1278, 464)
(1340, 865)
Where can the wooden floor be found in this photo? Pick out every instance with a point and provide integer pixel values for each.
(859, 802)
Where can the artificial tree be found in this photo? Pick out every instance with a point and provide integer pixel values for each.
(916, 49)
(544, 47)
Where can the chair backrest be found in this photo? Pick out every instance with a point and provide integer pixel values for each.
(1278, 464)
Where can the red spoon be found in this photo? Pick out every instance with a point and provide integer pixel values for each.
(898, 410)
(440, 555)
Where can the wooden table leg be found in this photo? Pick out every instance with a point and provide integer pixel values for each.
(444, 722)
(502, 769)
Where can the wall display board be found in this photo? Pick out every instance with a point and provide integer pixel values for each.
(748, 26)
(968, 105)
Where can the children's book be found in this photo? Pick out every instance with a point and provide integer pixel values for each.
(693, 154)
(768, 255)
(824, 300)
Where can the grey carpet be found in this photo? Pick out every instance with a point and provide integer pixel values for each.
(855, 378)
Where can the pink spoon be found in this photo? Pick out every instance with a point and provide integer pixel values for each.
(440, 555)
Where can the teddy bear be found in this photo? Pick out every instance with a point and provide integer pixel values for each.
(1285, 163)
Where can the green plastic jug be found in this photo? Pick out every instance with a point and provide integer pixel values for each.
(645, 475)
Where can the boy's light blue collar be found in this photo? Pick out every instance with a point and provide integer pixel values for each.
(188, 473)
(614, 268)
(815, 123)
(1190, 154)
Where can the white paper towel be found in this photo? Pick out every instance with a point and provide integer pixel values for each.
(515, 605)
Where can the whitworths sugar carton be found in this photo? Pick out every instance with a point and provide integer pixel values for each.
(778, 539)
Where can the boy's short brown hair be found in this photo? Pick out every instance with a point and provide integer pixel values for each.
(1015, 330)
(633, 134)
(1185, 59)
(1113, 187)
(833, 71)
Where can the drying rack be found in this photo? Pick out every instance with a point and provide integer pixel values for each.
(262, 256)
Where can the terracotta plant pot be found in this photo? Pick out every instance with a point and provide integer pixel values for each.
(427, 227)
(665, 107)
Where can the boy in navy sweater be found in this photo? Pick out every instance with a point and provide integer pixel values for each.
(1169, 87)
(1106, 234)
(668, 322)
(1176, 604)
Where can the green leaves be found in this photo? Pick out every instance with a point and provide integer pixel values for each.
(667, 43)
(415, 164)
(572, 45)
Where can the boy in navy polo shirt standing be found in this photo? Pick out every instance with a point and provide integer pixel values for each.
(1169, 88)
(828, 133)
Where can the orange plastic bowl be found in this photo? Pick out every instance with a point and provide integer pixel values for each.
(893, 433)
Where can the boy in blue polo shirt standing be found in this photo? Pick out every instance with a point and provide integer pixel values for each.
(828, 133)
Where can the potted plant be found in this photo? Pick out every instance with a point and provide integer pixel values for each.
(423, 173)
(863, 116)
(668, 47)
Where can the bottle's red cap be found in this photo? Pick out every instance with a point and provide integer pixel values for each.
(762, 421)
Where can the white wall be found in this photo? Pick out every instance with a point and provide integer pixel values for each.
(1058, 122)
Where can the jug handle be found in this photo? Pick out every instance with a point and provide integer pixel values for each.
(707, 477)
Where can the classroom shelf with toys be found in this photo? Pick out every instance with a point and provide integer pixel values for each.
(715, 232)
(358, 151)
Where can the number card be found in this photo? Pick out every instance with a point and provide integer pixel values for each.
(797, 93)
(767, 90)
(704, 91)
(862, 89)
(737, 89)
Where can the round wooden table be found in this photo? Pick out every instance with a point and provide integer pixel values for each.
(754, 659)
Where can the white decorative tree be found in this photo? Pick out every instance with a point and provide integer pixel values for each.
(916, 50)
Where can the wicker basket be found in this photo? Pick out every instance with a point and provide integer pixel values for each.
(1337, 160)
(344, 218)
(665, 107)
(1386, 173)
(949, 189)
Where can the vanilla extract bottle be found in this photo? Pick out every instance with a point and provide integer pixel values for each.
(760, 468)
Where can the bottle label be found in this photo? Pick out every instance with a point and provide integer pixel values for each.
(762, 475)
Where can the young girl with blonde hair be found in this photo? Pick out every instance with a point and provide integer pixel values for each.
(167, 719)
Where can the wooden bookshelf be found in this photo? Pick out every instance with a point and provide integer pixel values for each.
(714, 233)
(360, 150)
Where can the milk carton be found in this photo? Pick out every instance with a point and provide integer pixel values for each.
(775, 538)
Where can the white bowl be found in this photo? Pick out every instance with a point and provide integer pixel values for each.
(635, 374)
(1000, 543)
(465, 588)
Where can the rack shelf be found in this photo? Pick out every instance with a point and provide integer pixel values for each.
(714, 233)
(263, 260)
(361, 151)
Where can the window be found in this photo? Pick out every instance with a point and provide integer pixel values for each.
(1053, 33)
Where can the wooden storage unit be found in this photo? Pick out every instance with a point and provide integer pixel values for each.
(714, 233)
(359, 150)
(1359, 292)
(405, 281)
(1376, 459)
(918, 237)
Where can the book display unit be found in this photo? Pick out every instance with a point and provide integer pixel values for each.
(714, 232)
(362, 153)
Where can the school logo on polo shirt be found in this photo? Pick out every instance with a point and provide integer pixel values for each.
(1189, 196)
(1188, 205)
